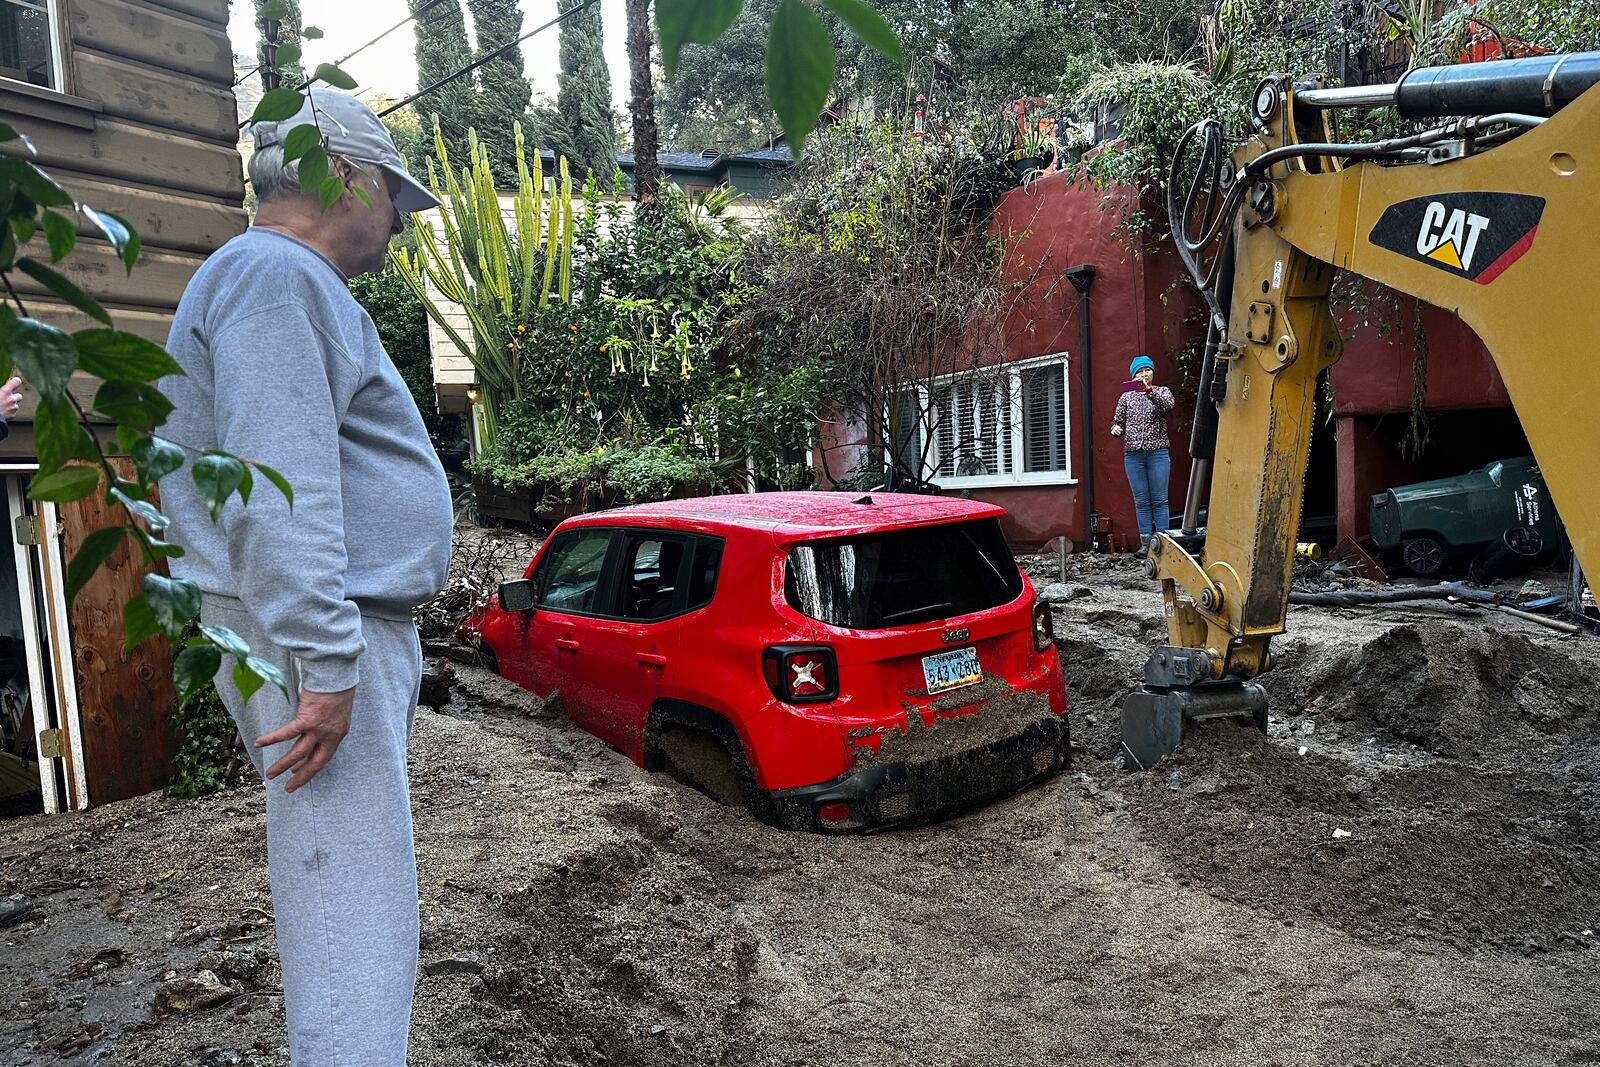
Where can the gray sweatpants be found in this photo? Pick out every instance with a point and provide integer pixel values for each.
(340, 853)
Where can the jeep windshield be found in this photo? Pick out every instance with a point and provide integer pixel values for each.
(904, 577)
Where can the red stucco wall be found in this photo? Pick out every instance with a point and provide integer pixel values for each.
(1054, 224)
(1374, 375)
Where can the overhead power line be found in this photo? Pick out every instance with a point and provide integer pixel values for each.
(418, 13)
(502, 50)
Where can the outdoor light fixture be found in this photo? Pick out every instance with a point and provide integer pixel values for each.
(472, 393)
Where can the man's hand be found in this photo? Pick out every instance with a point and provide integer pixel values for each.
(1116, 431)
(320, 723)
(10, 398)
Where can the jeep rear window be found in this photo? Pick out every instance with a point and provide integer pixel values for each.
(902, 578)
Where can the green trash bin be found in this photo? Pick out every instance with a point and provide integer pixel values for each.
(1503, 504)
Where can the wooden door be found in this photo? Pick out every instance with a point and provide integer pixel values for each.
(126, 701)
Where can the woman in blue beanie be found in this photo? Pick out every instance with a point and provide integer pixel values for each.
(1141, 422)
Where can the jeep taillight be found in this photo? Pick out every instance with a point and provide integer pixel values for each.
(1044, 627)
(801, 674)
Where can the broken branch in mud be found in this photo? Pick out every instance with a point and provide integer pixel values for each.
(1426, 598)
(1554, 624)
(1355, 598)
(480, 559)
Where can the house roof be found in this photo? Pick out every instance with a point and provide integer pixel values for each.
(778, 154)
(705, 166)
(674, 160)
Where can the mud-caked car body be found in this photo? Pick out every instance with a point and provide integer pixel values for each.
(835, 662)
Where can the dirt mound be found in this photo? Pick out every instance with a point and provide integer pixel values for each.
(1433, 851)
(1307, 897)
(1450, 688)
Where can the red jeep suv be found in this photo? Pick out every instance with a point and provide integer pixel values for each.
(835, 662)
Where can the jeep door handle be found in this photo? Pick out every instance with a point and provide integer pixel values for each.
(570, 643)
(651, 659)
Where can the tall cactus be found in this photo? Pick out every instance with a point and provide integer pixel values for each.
(487, 269)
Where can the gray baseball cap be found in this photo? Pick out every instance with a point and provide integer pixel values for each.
(349, 128)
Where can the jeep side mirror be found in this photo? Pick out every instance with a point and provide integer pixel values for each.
(517, 595)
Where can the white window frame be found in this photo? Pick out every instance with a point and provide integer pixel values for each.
(1013, 369)
(58, 65)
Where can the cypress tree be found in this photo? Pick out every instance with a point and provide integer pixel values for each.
(442, 49)
(584, 129)
(503, 89)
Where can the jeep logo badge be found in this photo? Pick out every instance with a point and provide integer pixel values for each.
(955, 636)
(1476, 236)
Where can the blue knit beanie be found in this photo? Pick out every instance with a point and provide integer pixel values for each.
(1140, 363)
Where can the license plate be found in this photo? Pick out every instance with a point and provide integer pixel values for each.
(951, 670)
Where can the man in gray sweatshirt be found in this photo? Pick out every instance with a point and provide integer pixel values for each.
(282, 366)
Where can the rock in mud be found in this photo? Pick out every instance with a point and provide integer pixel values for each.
(179, 996)
(241, 969)
(465, 964)
(13, 912)
(1061, 592)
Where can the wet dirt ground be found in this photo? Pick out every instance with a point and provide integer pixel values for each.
(1406, 870)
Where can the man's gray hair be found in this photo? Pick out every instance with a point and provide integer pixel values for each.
(271, 177)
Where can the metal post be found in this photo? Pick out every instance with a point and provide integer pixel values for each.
(270, 78)
(1575, 583)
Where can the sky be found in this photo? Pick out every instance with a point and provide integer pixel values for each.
(390, 66)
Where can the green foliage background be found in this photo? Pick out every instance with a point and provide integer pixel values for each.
(206, 740)
(503, 92)
(442, 49)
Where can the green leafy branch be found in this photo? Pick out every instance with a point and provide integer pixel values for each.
(801, 60)
(305, 142)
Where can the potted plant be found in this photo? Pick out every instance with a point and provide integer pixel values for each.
(1073, 145)
(1037, 152)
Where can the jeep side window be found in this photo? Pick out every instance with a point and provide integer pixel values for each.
(650, 568)
(570, 572)
(703, 572)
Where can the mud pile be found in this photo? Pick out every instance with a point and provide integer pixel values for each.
(1455, 689)
(1405, 870)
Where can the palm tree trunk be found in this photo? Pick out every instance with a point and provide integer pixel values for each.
(646, 136)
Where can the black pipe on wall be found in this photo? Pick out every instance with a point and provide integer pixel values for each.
(1082, 277)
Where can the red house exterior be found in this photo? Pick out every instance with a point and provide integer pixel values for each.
(1140, 302)
(1055, 228)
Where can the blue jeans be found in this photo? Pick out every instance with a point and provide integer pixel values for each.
(1147, 477)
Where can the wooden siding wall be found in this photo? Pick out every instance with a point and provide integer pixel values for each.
(146, 127)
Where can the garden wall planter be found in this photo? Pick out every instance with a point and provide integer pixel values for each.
(545, 505)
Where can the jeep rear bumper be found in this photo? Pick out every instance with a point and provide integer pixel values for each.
(890, 795)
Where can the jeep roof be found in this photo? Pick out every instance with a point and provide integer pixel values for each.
(796, 516)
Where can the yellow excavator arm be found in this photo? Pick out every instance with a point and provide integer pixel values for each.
(1493, 213)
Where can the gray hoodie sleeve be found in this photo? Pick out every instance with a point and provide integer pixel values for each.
(282, 387)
